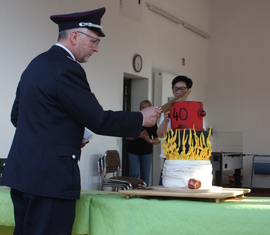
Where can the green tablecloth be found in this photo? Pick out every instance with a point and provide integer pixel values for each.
(144, 216)
(103, 213)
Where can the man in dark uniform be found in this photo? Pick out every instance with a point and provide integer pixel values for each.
(53, 105)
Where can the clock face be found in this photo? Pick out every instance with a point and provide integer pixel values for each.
(137, 63)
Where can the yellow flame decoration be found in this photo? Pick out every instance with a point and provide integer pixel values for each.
(199, 149)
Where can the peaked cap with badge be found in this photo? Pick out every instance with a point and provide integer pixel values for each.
(86, 19)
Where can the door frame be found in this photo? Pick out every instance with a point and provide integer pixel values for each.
(138, 89)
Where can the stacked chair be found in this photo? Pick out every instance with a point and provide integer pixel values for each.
(110, 163)
(2, 165)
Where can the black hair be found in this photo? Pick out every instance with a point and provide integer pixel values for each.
(184, 79)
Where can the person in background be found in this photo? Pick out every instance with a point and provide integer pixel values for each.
(180, 84)
(53, 106)
(140, 150)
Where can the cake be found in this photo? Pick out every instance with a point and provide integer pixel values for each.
(187, 148)
(193, 174)
(187, 114)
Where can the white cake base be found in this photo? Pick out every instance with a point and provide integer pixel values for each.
(177, 173)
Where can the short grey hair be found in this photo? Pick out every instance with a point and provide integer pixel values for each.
(65, 33)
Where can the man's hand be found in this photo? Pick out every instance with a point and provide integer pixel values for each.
(150, 115)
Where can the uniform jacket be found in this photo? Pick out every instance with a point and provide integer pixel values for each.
(53, 104)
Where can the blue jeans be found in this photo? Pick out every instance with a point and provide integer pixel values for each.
(139, 166)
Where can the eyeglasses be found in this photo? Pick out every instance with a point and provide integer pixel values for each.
(181, 88)
(96, 41)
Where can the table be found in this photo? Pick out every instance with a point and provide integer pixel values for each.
(223, 161)
(103, 213)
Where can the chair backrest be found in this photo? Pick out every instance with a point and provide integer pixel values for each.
(100, 172)
(2, 165)
(100, 165)
(111, 161)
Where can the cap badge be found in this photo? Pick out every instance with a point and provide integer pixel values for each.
(88, 24)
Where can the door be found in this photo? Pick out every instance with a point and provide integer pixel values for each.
(135, 89)
(162, 93)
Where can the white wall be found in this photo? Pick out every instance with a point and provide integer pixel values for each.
(230, 70)
(27, 31)
(238, 85)
(239, 70)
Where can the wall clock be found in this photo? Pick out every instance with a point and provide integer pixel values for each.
(137, 63)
